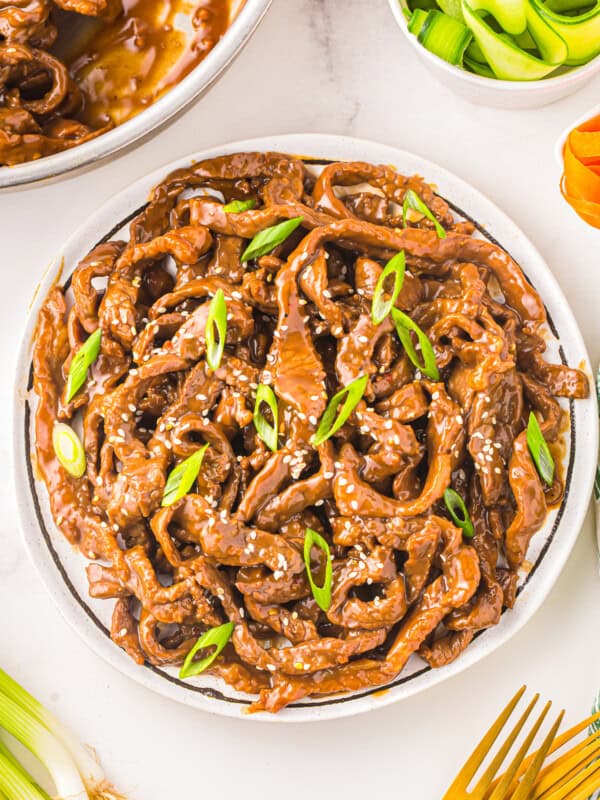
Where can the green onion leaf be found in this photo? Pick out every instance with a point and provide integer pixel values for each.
(267, 240)
(348, 398)
(217, 317)
(458, 511)
(267, 432)
(380, 308)
(83, 762)
(215, 637)
(404, 325)
(237, 206)
(322, 594)
(412, 200)
(540, 452)
(68, 449)
(82, 361)
(183, 477)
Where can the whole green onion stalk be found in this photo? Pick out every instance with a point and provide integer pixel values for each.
(74, 770)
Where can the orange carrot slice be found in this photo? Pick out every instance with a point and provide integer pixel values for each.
(587, 210)
(580, 181)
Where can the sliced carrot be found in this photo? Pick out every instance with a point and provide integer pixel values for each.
(587, 210)
(591, 125)
(580, 181)
(585, 145)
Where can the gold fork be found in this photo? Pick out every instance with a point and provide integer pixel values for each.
(516, 783)
(574, 775)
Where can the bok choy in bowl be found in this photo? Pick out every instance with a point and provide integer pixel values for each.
(508, 53)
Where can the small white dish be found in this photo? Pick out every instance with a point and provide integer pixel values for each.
(61, 567)
(562, 139)
(491, 92)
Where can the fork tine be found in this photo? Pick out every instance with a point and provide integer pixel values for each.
(491, 772)
(580, 786)
(474, 761)
(560, 771)
(535, 766)
(499, 792)
(558, 743)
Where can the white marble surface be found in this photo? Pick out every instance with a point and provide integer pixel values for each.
(336, 66)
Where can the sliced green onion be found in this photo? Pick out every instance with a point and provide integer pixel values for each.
(458, 511)
(215, 637)
(217, 317)
(412, 200)
(237, 206)
(267, 432)
(267, 240)
(404, 325)
(540, 452)
(348, 398)
(82, 361)
(444, 36)
(68, 761)
(68, 448)
(380, 308)
(182, 478)
(322, 594)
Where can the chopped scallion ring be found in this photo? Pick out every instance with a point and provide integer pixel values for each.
(217, 317)
(82, 361)
(404, 325)
(266, 241)
(182, 478)
(348, 398)
(540, 452)
(68, 448)
(237, 206)
(215, 637)
(322, 594)
(267, 432)
(380, 307)
(412, 200)
(458, 511)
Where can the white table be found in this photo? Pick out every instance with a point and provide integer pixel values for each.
(339, 67)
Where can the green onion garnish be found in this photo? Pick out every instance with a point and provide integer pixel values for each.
(412, 200)
(82, 361)
(68, 449)
(267, 240)
(182, 478)
(380, 308)
(348, 398)
(458, 511)
(322, 594)
(215, 637)
(237, 206)
(404, 325)
(540, 452)
(267, 432)
(217, 317)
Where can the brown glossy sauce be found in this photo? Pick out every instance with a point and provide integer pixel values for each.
(130, 62)
(404, 579)
(72, 69)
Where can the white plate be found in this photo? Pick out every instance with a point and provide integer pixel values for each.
(62, 569)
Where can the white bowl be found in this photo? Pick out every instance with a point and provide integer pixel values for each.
(491, 92)
(246, 17)
(62, 568)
